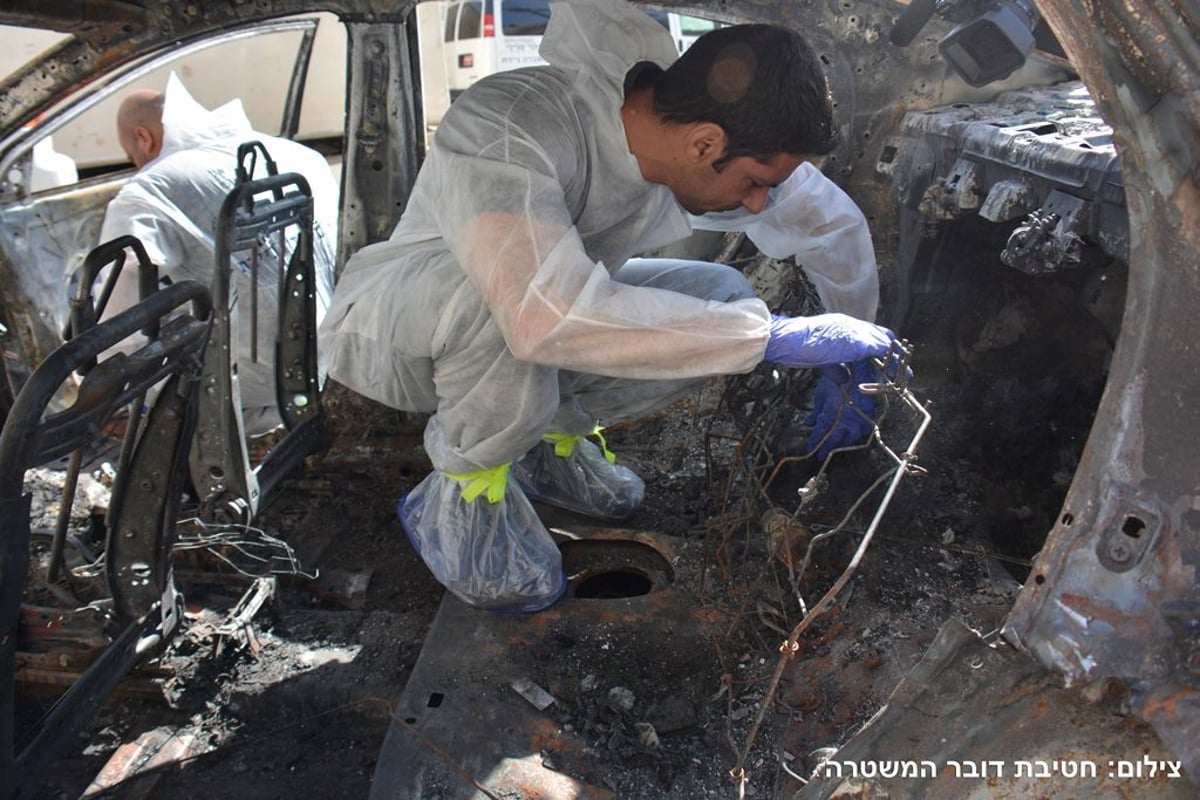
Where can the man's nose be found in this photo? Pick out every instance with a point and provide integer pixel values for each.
(756, 199)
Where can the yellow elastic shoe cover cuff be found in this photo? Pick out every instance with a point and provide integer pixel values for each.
(564, 443)
(493, 481)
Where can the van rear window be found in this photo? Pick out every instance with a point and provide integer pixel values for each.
(469, 20)
(451, 22)
(525, 17)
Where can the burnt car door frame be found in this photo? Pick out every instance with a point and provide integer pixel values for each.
(27, 333)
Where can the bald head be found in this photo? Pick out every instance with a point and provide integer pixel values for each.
(139, 126)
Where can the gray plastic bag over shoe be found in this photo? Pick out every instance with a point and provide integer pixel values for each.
(583, 481)
(493, 555)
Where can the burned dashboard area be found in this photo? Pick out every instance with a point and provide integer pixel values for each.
(1038, 163)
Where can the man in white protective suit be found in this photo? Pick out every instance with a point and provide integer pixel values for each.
(186, 157)
(508, 300)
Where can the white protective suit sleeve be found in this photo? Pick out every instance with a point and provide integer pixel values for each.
(504, 214)
(809, 216)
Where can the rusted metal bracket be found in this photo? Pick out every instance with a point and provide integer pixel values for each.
(1050, 238)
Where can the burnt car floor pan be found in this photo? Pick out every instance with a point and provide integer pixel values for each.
(509, 705)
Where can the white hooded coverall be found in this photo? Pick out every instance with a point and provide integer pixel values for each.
(172, 203)
(503, 300)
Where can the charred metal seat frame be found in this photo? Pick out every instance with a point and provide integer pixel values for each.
(231, 490)
(143, 508)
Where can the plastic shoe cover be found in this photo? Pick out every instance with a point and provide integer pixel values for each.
(583, 482)
(496, 556)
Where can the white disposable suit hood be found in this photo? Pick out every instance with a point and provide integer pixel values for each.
(570, 43)
(187, 124)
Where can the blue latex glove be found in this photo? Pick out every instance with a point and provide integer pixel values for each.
(824, 339)
(833, 423)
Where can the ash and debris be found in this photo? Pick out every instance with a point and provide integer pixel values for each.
(46, 485)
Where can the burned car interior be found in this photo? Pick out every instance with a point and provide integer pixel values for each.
(996, 595)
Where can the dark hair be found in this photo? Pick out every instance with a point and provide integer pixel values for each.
(761, 83)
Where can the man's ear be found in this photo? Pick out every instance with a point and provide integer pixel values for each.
(148, 143)
(705, 143)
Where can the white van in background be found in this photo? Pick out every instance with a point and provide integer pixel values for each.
(485, 36)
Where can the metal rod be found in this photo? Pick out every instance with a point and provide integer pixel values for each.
(64, 516)
(254, 304)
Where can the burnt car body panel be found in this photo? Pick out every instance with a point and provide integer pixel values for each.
(1138, 474)
(1114, 591)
